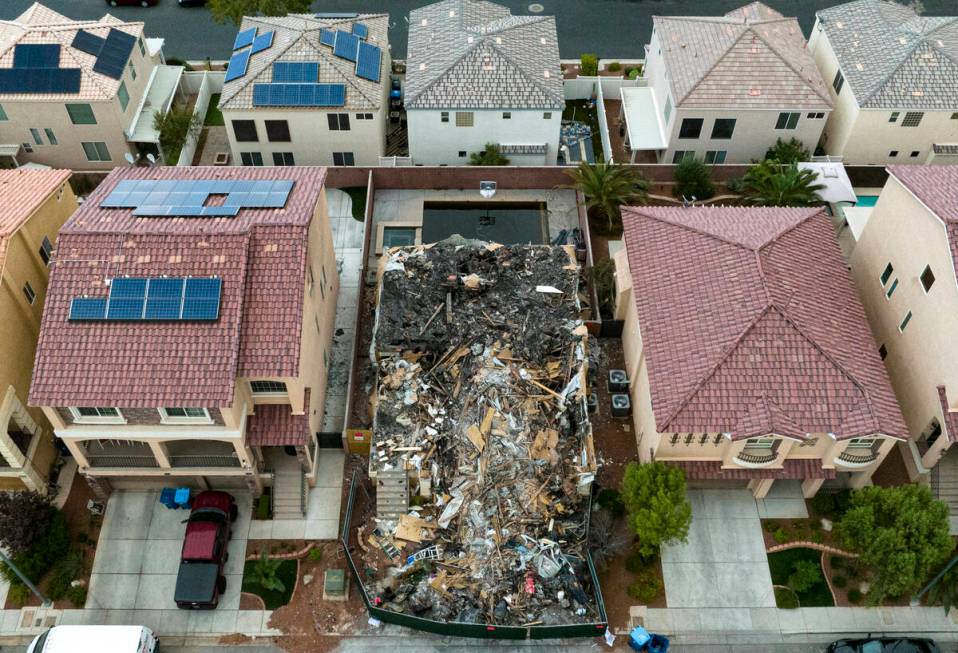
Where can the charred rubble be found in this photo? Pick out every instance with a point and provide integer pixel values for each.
(482, 452)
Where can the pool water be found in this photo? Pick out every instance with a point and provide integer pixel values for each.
(867, 200)
(509, 223)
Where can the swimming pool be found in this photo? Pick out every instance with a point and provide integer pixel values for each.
(867, 200)
(509, 223)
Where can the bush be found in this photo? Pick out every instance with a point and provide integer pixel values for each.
(839, 581)
(315, 555)
(837, 562)
(646, 587)
(693, 179)
(788, 152)
(67, 569)
(855, 597)
(781, 536)
(589, 65)
(18, 594)
(831, 504)
(659, 512)
(637, 562)
(818, 537)
(77, 596)
(770, 526)
(634, 73)
(611, 500)
(786, 599)
(614, 67)
(853, 571)
(45, 551)
(805, 574)
(24, 516)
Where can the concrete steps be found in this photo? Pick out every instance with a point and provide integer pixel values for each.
(287, 495)
(944, 481)
(392, 494)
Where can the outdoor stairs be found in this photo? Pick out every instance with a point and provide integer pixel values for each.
(288, 500)
(944, 481)
(392, 494)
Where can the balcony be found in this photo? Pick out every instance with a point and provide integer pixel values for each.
(204, 461)
(857, 457)
(759, 457)
(118, 453)
(201, 453)
(125, 461)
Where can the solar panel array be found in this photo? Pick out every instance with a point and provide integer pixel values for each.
(36, 70)
(239, 62)
(187, 198)
(262, 42)
(134, 299)
(369, 61)
(36, 55)
(84, 41)
(111, 61)
(361, 30)
(295, 72)
(353, 47)
(327, 37)
(347, 46)
(237, 66)
(299, 95)
(244, 38)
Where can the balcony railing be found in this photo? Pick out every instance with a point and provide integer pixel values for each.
(858, 457)
(148, 462)
(757, 458)
(207, 460)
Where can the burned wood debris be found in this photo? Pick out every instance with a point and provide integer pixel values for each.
(482, 452)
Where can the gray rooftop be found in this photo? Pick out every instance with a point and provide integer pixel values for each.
(472, 54)
(893, 58)
(296, 38)
(752, 57)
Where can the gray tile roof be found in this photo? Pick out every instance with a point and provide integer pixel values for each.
(472, 54)
(296, 38)
(891, 57)
(752, 57)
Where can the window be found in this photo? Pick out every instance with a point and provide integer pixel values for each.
(891, 289)
(123, 96)
(3, 114)
(338, 122)
(883, 352)
(444, 116)
(681, 155)
(723, 128)
(343, 159)
(886, 274)
(860, 443)
(893, 154)
(51, 136)
(277, 131)
(27, 147)
(96, 151)
(283, 159)
(29, 293)
(464, 119)
(132, 70)
(905, 321)
(691, 128)
(185, 415)
(927, 278)
(912, 118)
(462, 154)
(838, 82)
(715, 156)
(364, 116)
(251, 158)
(787, 120)
(914, 154)
(139, 42)
(507, 115)
(760, 443)
(81, 114)
(267, 387)
(547, 115)
(894, 116)
(35, 133)
(245, 131)
(818, 115)
(667, 113)
(398, 237)
(91, 415)
(46, 250)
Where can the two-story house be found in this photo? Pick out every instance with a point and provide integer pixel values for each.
(308, 90)
(904, 266)
(748, 351)
(36, 203)
(476, 74)
(723, 89)
(892, 74)
(187, 331)
(79, 94)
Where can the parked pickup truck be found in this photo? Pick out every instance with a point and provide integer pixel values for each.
(200, 581)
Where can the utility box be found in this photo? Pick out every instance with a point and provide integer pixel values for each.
(621, 405)
(618, 381)
(359, 440)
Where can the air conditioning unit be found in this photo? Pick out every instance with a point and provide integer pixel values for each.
(618, 381)
(621, 406)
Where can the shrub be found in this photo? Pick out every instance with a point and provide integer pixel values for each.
(634, 73)
(176, 127)
(18, 594)
(265, 573)
(839, 581)
(770, 526)
(853, 571)
(611, 500)
(805, 574)
(637, 562)
(659, 512)
(785, 598)
(788, 152)
(43, 553)
(854, 596)
(315, 555)
(646, 587)
(603, 280)
(67, 569)
(837, 562)
(614, 67)
(818, 537)
(693, 179)
(781, 536)
(77, 596)
(589, 65)
(490, 155)
(24, 516)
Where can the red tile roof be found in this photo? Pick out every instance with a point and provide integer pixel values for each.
(937, 188)
(795, 468)
(274, 425)
(22, 190)
(260, 255)
(751, 325)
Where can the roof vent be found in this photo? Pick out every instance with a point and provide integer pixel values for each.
(425, 21)
(755, 92)
(547, 74)
(859, 66)
(469, 39)
(917, 93)
(542, 40)
(903, 40)
(487, 64)
(839, 24)
(422, 66)
(498, 40)
(452, 13)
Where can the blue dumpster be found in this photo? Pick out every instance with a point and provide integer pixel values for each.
(182, 497)
(168, 497)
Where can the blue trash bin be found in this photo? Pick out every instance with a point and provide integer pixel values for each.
(182, 497)
(168, 497)
(638, 638)
(658, 644)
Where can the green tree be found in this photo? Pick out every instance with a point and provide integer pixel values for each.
(232, 11)
(589, 65)
(488, 156)
(788, 152)
(654, 497)
(692, 179)
(175, 127)
(805, 574)
(24, 518)
(265, 573)
(606, 188)
(770, 183)
(900, 532)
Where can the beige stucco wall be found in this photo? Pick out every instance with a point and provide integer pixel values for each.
(902, 231)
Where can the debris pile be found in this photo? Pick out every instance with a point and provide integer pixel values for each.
(481, 421)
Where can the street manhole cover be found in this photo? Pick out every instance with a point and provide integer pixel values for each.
(536, 8)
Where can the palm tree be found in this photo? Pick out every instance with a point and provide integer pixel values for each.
(606, 188)
(770, 183)
(488, 156)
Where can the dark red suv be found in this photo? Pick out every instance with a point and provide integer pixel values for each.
(200, 581)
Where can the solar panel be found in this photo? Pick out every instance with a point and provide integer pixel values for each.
(86, 42)
(88, 308)
(369, 61)
(361, 30)
(115, 53)
(39, 80)
(244, 38)
(346, 46)
(327, 37)
(262, 42)
(299, 95)
(187, 198)
(36, 55)
(336, 14)
(164, 299)
(201, 301)
(237, 65)
(289, 72)
(127, 298)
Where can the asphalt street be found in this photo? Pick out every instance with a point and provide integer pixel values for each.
(610, 28)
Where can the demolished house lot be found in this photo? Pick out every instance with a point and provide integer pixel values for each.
(482, 456)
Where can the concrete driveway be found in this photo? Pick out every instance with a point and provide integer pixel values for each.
(138, 554)
(723, 564)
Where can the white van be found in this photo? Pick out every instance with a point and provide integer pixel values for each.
(96, 639)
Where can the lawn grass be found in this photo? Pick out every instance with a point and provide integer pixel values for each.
(214, 117)
(579, 110)
(358, 195)
(780, 565)
(287, 573)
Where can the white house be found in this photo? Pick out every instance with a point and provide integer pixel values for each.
(80, 94)
(476, 74)
(308, 90)
(893, 79)
(724, 88)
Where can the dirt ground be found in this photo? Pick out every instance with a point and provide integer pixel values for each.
(614, 437)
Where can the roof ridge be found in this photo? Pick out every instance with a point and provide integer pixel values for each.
(786, 60)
